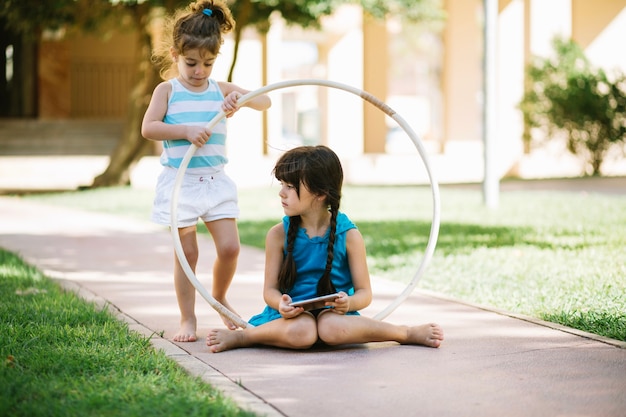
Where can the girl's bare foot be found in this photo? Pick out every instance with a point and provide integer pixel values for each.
(187, 332)
(430, 335)
(220, 340)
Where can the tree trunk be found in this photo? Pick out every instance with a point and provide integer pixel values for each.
(127, 152)
(242, 18)
(132, 146)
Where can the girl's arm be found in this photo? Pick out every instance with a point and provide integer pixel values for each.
(273, 261)
(357, 259)
(154, 128)
(233, 92)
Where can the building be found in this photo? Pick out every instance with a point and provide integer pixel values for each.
(432, 79)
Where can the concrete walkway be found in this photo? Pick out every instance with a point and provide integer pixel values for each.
(491, 363)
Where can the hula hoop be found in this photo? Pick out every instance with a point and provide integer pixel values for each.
(434, 229)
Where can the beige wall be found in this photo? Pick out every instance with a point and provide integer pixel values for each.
(600, 28)
(103, 75)
(86, 76)
(461, 78)
(591, 18)
(375, 77)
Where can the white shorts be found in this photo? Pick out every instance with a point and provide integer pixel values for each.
(208, 197)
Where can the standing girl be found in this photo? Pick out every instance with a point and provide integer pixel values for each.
(316, 250)
(177, 115)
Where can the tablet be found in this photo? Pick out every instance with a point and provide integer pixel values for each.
(314, 303)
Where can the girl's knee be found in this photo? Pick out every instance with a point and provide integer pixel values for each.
(330, 329)
(301, 335)
(191, 255)
(229, 252)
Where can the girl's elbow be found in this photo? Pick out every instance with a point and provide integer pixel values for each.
(367, 301)
(267, 297)
(263, 103)
(146, 132)
(364, 299)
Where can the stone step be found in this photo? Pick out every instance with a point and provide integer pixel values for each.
(58, 137)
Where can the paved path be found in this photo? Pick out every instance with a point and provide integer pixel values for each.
(491, 363)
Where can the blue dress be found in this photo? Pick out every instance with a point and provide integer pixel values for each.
(310, 256)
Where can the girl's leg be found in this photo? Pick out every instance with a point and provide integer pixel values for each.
(297, 333)
(185, 291)
(226, 238)
(337, 329)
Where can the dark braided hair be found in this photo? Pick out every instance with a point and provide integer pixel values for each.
(319, 170)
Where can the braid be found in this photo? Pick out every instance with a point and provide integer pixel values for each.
(325, 285)
(287, 273)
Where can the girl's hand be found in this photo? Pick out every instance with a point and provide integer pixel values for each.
(341, 304)
(287, 311)
(230, 106)
(198, 135)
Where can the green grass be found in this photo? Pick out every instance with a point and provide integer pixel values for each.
(64, 357)
(553, 255)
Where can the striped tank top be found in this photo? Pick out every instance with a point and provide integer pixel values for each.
(188, 108)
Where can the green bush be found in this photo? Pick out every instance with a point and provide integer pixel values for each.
(566, 94)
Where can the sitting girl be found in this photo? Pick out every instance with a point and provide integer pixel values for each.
(316, 250)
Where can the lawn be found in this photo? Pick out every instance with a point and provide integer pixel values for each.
(64, 357)
(558, 256)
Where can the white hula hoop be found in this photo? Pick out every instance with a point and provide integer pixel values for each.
(434, 229)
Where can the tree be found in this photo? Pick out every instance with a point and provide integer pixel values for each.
(247, 13)
(24, 15)
(567, 95)
(30, 17)
(132, 146)
(21, 26)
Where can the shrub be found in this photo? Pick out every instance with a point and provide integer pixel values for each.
(567, 95)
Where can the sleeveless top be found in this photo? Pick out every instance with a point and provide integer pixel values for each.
(189, 108)
(310, 256)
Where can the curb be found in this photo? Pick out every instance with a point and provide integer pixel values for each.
(555, 326)
(231, 389)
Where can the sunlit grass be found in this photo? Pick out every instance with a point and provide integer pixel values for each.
(559, 256)
(64, 357)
